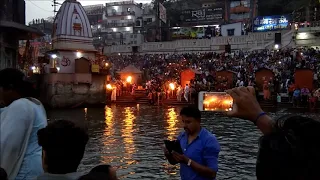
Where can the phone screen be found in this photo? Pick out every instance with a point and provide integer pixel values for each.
(217, 102)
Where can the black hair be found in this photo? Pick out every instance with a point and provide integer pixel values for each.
(94, 176)
(101, 169)
(3, 174)
(14, 79)
(64, 145)
(291, 151)
(191, 111)
(101, 172)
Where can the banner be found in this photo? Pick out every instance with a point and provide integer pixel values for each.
(162, 13)
(203, 15)
(271, 23)
(95, 68)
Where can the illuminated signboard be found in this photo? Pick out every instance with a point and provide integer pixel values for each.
(202, 15)
(271, 23)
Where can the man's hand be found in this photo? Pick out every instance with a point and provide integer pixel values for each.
(165, 151)
(180, 157)
(169, 156)
(245, 104)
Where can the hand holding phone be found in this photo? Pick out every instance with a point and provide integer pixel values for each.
(173, 146)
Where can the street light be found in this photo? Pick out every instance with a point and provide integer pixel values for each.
(79, 54)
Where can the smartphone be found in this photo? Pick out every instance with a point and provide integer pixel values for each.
(215, 101)
(173, 146)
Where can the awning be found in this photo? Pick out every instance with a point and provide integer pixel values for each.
(25, 32)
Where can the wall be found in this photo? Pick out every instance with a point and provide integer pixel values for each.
(66, 60)
(64, 93)
(216, 44)
(236, 26)
(307, 39)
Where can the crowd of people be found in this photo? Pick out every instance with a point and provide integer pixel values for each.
(161, 69)
(32, 149)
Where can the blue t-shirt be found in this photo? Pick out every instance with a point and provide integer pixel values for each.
(296, 93)
(204, 150)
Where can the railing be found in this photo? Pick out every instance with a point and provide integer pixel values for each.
(125, 13)
(119, 24)
(121, 3)
(315, 24)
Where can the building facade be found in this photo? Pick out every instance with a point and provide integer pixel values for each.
(13, 29)
(119, 23)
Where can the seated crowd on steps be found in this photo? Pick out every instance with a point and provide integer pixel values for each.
(32, 149)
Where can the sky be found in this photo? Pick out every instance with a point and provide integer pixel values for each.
(38, 9)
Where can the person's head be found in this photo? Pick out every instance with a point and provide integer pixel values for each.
(101, 172)
(13, 86)
(3, 174)
(191, 118)
(291, 151)
(63, 145)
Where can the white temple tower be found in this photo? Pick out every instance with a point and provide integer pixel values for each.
(73, 76)
(71, 29)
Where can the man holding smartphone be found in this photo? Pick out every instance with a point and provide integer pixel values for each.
(199, 160)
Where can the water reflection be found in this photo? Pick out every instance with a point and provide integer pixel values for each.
(172, 119)
(109, 130)
(85, 114)
(108, 140)
(127, 134)
(131, 138)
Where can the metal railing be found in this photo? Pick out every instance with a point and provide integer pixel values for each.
(125, 13)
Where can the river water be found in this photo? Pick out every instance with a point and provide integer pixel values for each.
(131, 139)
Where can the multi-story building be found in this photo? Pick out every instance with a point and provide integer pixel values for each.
(121, 23)
(13, 29)
(242, 10)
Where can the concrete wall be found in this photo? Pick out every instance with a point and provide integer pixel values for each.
(60, 91)
(237, 27)
(216, 44)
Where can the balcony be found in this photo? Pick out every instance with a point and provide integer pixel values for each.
(121, 3)
(125, 13)
(114, 36)
(112, 25)
(239, 9)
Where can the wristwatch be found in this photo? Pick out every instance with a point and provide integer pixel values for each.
(189, 162)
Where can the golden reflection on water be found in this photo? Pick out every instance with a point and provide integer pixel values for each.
(85, 114)
(109, 131)
(108, 134)
(127, 134)
(172, 119)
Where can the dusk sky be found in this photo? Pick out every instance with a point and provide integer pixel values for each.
(37, 9)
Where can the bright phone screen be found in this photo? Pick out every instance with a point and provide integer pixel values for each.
(217, 102)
